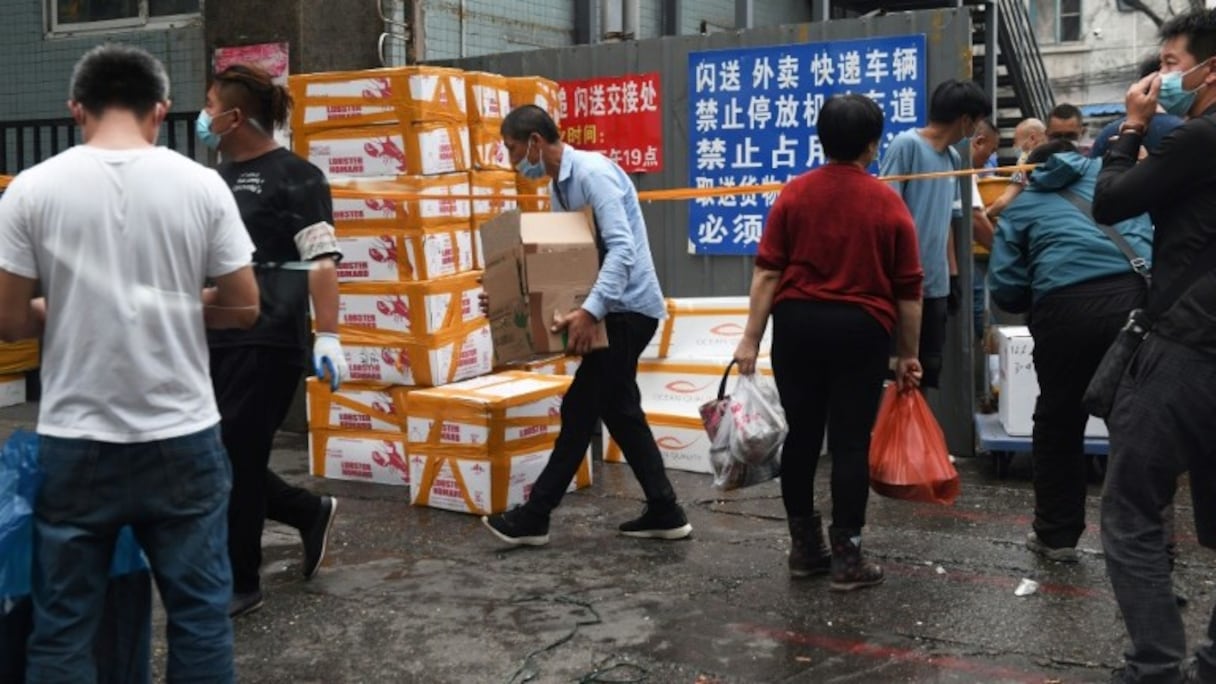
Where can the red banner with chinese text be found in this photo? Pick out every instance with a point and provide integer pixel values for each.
(618, 116)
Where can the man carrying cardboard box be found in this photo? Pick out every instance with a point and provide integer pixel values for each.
(627, 299)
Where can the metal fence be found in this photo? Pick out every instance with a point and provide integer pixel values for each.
(948, 37)
(25, 143)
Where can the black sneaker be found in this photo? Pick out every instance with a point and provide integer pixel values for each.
(244, 604)
(316, 538)
(519, 527)
(667, 523)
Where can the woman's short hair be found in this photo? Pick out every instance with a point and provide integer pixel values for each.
(848, 125)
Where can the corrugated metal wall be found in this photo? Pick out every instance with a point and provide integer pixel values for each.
(948, 36)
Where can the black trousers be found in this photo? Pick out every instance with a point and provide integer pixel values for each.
(605, 387)
(254, 387)
(829, 361)
(1072, 329)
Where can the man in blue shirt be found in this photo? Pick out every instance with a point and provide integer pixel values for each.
(1158, 127)
(627, 298)
(955, 111)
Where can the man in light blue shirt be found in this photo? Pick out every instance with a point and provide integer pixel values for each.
(627, 298)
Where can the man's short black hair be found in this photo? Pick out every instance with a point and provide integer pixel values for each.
(521, 122)
(1151, 64)
(119, 76)
(1066, 111)
(954, 99)
(1043, 152)
(1199, 27)
(986, 124)
(848, 124)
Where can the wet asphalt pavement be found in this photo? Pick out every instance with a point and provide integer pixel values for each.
(419, 595)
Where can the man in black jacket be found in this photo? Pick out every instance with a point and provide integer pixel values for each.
(1160, 424)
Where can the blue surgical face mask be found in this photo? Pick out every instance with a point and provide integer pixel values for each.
(531, 170)
(202, 129)
(1174, 97)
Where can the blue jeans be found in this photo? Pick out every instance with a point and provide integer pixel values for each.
(174, 495)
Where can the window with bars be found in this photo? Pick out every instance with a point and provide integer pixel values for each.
(1056, 21)
(69, 16)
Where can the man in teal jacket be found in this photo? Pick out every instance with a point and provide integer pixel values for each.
(1051, 259)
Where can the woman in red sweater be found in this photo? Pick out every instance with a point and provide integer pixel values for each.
(839, 270)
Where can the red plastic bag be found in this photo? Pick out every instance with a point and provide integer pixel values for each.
(908, 455)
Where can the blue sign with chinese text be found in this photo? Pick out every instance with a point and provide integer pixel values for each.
(752, 115)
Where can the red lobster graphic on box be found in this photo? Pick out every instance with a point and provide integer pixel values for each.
(397, 358)
(385, 252)
(386, 208)
(386, 148)
(392, 458)
(381, 89)
(395, 307)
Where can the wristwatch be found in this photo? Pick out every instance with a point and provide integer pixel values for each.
(1132, 127)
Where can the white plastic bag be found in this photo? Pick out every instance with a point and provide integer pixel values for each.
(746, 430)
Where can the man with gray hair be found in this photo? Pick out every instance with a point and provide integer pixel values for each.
(120, 235)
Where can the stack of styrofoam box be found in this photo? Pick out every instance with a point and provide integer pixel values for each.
(1018, 384)
(357, 433)
(682, 369)
(492, 180)
(478, 446)
(545, 94)
(394, 144)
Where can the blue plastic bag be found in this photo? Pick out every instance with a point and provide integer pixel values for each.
(20, 479)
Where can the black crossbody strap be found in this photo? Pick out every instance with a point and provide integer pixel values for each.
(1138, 263)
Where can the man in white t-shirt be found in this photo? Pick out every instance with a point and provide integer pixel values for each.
(120, 236)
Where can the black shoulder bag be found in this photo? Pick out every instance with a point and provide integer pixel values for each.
(1099, 396)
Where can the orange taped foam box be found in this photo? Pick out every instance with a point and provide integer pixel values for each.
(457, 353)
(396, 95)
(426, 307)
(488, 97)
(703, 328)
(537, 91)
(529, 189)
(478, 446)
(547, 364)
(19, 356)
(402, 201)
(417, 149)
(498, 190)
(384, 255)
(12, 389)
(489, 152)
(357, 432)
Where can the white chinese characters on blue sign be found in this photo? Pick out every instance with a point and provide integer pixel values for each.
(752, 120)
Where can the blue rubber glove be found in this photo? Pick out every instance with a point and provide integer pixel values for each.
(328, 359)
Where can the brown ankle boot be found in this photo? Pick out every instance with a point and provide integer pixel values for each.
(850, 570)
(809, 555)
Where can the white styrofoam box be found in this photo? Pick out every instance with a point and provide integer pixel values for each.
(678, 387)
(491, 485)
(703, 328)
(682, 442)
(1019, 384)
(360, 456)
(12, 389)
(428, 362)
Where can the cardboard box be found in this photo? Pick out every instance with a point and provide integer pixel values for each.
(423, 361)
(359, 407)
(679, 387)
(12, 389)
(550, 255)
(512, 335)
(477, 446)
(19, 356)
(487, 96)
(703, 328)
(419, 149)
(537, 91)
(360, 455)
(482, 487)
(1019, 384)
(681, 440)
(389, 256)
(393, 204)
(426, 307)
(545, 307)
(395, 95)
